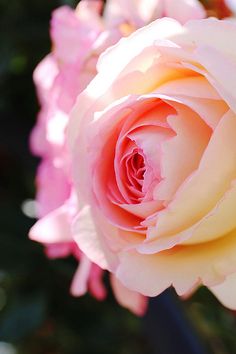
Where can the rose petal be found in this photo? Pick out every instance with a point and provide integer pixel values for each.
(53, 228)
(183, 10)
(96, 286)
(90, 242)
(217, 223)
(205, 187)
(226, 291)
(79, 284)
(184, 267)
(181, 154)
(129, 299)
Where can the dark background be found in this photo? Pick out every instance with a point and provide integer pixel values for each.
(37, 313)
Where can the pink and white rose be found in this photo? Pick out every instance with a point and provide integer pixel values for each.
(154, 136)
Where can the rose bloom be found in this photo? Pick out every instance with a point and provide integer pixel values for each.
(153, 144)
(78, 39)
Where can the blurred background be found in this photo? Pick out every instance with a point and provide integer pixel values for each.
(37, 313)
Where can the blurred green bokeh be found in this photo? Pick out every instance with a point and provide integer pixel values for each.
(37, 313)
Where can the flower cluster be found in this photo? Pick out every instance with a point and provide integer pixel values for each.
(137, 139)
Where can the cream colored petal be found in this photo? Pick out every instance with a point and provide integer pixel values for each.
(218, 34)
(184, 267)
(220, 71)
(207, 185)
(218, 223)
(195, 86)
(181, 154)
(226, 291)
(160, 29)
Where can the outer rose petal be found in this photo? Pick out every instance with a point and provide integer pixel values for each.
(184, 267)
(148, 35)
(57, 250)
(96, 285)
(96, 97)
(221, 73)
(210, 33)
(79, 284)
(73, 34)
(54, 227)
(226, 291)
(53, 187)
(44, 75)
(129, 299)
(183, 10)
(86, 235)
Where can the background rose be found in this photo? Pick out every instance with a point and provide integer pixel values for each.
(155, 142)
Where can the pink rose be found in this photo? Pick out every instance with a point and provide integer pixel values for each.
(154, 136)
(78, 39)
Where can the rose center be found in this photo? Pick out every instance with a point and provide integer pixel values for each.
(135, 169)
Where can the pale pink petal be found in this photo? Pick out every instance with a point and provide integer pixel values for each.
(55, 128)
(96, 285)
(150, 139)
(38, 142)
(44, 76)
(58, 250)
(211, 33)
(221, 72)
(72, 34)
(79, 284)
(53, 187)
(90, 241)
(184, 10)
(53, 228)
(89, 10)
(226, 291)
(149, 34)
(129, 299)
